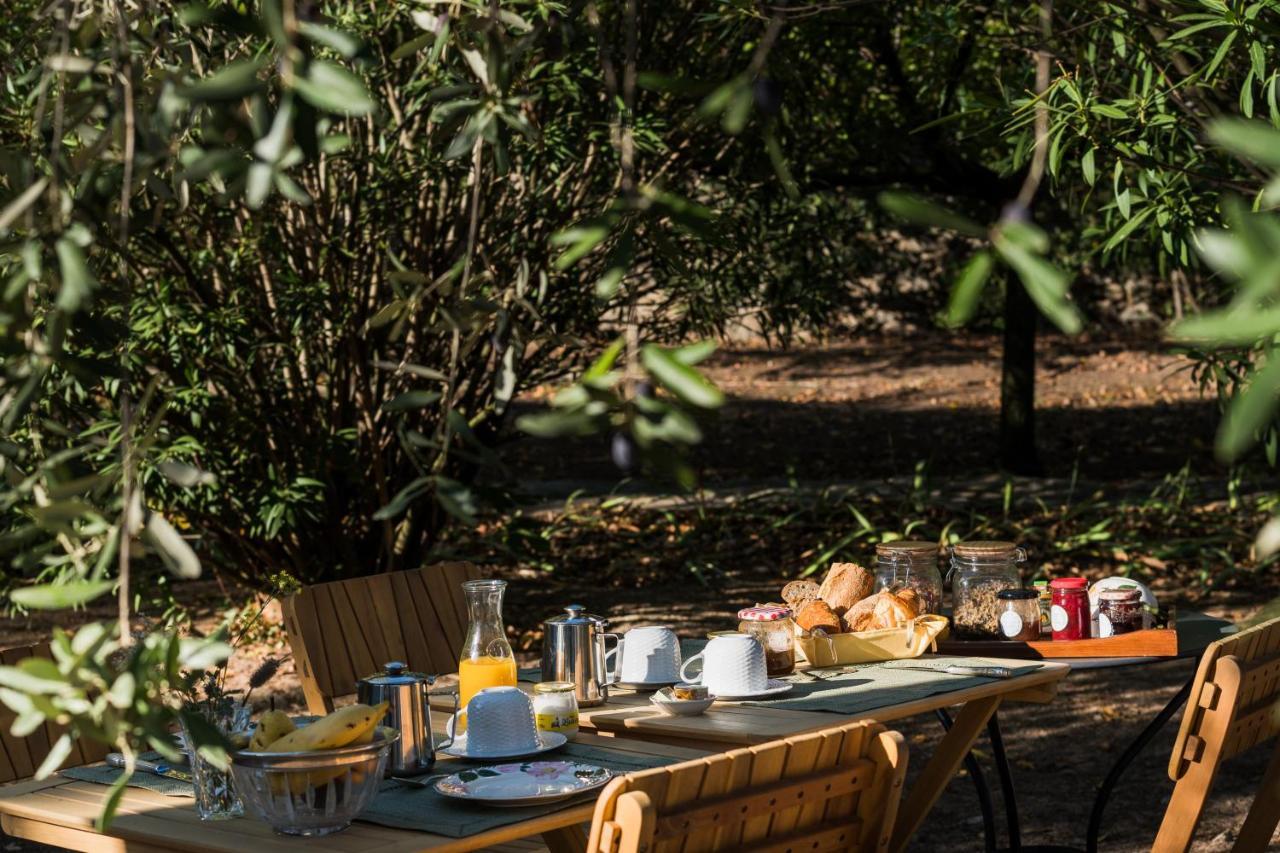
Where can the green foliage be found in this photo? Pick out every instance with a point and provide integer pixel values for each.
(100, 689)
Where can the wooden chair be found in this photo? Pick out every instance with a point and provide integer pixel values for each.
(20, 757)
(344, 630)
(832, 790)
(1234, 706)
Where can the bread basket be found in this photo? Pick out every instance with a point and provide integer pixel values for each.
(907, 641)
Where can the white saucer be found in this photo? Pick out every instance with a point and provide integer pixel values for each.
(644, 686)
(776, 688)
(550, 741)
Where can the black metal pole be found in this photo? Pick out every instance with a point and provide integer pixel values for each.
(1006, 783)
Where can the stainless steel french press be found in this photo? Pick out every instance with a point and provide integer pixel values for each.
(409, 711)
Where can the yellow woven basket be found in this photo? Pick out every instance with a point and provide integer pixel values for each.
(909, 641)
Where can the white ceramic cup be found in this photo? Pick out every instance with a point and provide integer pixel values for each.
(732, 665)
(646, 655)
(500, 722)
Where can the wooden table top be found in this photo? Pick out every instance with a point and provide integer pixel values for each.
(61, 811)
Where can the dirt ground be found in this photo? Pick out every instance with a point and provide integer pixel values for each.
(1111, 412)
(869, 408)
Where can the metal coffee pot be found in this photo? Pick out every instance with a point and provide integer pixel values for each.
(409, 711)
(573, 647)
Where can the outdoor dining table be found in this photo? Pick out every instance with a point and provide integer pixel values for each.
(61, 811)
(730, 725)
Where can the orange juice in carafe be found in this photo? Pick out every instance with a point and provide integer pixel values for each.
(486, 659)
(475, 674)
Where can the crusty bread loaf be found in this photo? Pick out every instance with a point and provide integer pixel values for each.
(816, 614)
(845, 585)
(799, 593)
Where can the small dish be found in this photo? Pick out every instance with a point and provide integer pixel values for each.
(550, 741)
(669, 705)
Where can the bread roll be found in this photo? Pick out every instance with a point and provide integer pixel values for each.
(799, 593)
(845, 585)
(816, 614)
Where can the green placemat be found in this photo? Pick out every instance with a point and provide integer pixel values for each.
(403, 807)
(105, 775)
(856, 689)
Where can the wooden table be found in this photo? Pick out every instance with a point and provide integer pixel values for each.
(61, 812)
(734, 725)
(730, 725)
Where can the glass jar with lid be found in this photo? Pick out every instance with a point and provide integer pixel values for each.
(774, 629)
(979, 572)
(1119, 612)
(1019, 614)
(911, 564)
(1070, 611)
(555, 707)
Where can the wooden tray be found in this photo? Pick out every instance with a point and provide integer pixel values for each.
(1151, 643)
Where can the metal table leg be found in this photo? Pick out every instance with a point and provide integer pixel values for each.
(1126, 758)
(1006, 783)
(980, 783)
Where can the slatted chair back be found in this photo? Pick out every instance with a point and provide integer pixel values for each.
(832, 790)
(20, 757)
(344, 630)
(1234, 706)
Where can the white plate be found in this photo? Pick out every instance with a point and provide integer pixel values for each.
(776, 688)
(550, 741)
(525, 784)
(644, 686)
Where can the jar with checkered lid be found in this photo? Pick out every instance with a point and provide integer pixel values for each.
(773, 628)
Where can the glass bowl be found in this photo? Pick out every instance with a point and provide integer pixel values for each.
(312, 793)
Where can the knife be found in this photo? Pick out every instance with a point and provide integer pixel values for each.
(116, 759)
(956, 669)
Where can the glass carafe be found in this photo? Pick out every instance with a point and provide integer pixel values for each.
(486, 659)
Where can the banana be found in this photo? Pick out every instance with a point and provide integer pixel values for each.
(340, 728)
(354, 724)
(272, 726)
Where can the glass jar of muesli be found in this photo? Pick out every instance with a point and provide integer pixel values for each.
(979, 572)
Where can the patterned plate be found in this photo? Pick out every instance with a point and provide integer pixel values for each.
(523, 784)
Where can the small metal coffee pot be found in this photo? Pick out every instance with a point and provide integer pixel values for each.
(573, 647)
(409, 712)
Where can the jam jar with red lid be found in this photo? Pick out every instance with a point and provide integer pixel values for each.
(1069, 612)
(774, 629)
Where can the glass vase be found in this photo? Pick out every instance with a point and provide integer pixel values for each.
(215, 790)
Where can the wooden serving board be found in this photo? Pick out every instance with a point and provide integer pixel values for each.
(1153, 642)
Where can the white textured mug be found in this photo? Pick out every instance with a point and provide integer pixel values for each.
(732, 665)
(646, 655)
(500, 722)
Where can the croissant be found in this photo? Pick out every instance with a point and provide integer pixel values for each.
(885, 609)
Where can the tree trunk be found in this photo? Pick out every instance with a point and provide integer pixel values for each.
(1018, 383)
